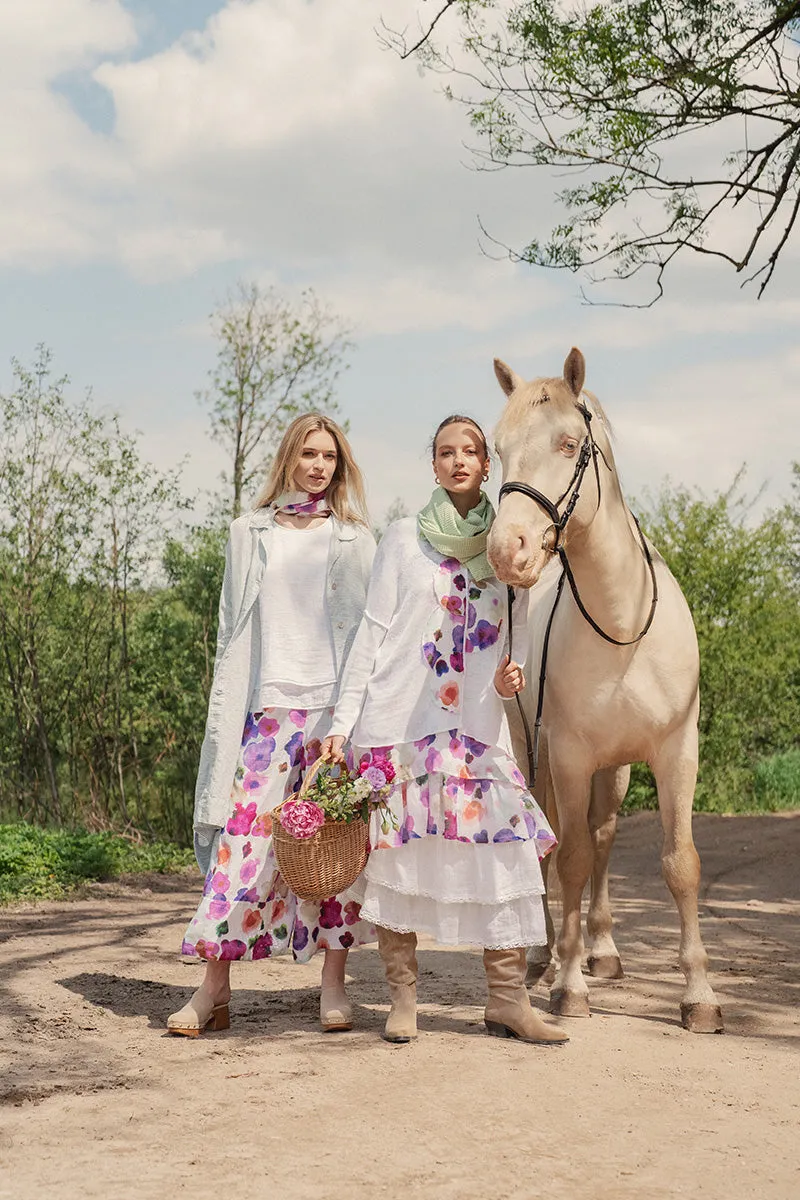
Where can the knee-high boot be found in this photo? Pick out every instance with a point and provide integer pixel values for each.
(398, 951)
(508, 1010)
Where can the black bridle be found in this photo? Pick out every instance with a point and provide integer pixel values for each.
(589, 453)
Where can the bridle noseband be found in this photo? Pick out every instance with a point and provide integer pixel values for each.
(589, 452)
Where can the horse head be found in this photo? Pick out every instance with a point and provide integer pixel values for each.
(547, 445)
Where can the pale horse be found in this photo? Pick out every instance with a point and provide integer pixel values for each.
(605, 705)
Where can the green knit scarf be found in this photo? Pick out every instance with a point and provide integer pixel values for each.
(464, 538)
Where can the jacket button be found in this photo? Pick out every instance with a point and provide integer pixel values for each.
(333, 587)
(340, 625)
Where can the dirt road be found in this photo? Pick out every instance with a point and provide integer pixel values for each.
(96, 1101)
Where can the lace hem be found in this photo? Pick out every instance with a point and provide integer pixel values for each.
(496, 926)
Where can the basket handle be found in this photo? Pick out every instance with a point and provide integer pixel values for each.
(309, 777)
(308, 780)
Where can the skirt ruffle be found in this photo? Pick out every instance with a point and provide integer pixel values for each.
(457, 893)
(456, 847)
(452, 786)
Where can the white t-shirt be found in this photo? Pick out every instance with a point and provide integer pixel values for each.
(297, 667)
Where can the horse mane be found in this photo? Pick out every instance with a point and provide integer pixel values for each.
(601, 413)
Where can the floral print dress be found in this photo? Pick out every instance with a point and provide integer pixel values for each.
(247, 910)
(457, 844)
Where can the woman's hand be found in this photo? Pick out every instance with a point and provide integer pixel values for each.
(331, 749)
(509, 679)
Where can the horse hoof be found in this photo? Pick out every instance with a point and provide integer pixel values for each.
(569, 1004)
(606, 966)
(702, 1018)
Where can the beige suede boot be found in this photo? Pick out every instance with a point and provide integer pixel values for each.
(508, 1010)
(398, 951)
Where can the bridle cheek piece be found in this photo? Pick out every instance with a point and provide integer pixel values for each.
(589, 452)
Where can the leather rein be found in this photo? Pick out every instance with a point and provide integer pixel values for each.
(589, 452)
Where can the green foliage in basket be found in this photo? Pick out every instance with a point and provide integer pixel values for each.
(341, 796)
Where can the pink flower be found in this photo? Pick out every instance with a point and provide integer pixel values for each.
(242, 818)
(352, 913)
(377, 770)
(375, 777)
(231, 950)
(385, 765)
(249, 870)
(220, 882)
(204, 949)
(302, 818)
(454, 605)
(433, 760)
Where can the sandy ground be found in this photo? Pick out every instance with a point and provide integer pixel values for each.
(96, 1101)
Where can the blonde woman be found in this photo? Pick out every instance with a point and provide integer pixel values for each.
(457, 853)
(294, 590)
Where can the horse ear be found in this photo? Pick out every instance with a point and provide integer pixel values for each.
(508, 379)
(575, 371)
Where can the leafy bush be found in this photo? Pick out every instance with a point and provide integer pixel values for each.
(776, 781)
(45, 864)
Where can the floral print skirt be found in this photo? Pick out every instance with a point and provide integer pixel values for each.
(247, 910)
(456, 849)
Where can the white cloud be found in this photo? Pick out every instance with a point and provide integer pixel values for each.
(43, 38)
(55, 173)
(281, 140)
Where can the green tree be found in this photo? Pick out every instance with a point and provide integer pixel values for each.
(46, 506)
(82, 523)
(672, 116)
(174, 639)
(739, 582)
(276, 358)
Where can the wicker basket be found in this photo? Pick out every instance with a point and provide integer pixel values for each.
(326, 864)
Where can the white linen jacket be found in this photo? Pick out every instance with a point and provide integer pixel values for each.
(236, 665)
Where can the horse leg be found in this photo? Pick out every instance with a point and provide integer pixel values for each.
(608, 791)
(675, 770)
(570, 994)
(540, 958)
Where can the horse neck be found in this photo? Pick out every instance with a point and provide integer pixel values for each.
(609, 567)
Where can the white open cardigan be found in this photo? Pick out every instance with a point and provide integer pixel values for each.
(236, 665)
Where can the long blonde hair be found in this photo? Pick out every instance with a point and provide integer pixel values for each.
(345, 491)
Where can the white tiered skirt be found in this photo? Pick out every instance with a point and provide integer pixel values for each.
(460, 894)
(456, 852)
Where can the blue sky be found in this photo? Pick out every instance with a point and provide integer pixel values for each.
(159, 150)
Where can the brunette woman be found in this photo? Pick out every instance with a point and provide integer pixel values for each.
(457, 853)
(296, 575)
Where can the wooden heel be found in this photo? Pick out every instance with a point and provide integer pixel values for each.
(220, 1018)
(187, 1024)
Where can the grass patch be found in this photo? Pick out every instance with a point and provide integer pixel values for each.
(776, 781)
(45, 864)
